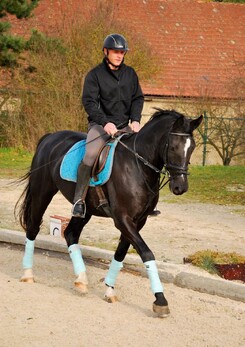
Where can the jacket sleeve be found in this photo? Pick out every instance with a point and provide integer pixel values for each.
(91, 99)
(137, 101)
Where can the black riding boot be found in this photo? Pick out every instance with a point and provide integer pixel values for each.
(83, 178)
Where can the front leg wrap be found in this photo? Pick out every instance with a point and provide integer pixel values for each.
(160, 306)
(152, 272)
(110, 280)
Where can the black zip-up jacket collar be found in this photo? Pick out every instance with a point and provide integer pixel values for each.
(112, 95)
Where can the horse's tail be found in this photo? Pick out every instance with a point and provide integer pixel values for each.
(22, 210)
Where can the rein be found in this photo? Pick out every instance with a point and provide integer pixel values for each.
(182, 170)
(146, 162)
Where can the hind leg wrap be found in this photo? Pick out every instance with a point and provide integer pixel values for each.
(81, 282)
(110, 280)
(77, 259)
(112, 274)
(28, 256)
(27, 261)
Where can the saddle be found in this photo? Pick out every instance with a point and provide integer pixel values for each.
(101, 170)
(103, 164)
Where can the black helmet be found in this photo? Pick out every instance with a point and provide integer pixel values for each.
(116, 42)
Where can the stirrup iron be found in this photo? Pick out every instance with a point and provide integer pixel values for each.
(79, 209)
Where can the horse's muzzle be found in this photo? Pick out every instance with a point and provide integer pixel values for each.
(178, 185)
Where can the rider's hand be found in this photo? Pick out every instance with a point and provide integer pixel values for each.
(110, 129)
(135, 126)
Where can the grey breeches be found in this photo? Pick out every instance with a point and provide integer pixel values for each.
(96, 138)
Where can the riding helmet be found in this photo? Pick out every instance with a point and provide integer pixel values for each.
(116, 42)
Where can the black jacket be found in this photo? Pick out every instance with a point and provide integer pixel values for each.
(112, 96)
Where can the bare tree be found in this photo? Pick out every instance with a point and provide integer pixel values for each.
(225, 135)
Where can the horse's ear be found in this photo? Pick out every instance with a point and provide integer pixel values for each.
(179, 123)
(195, 123)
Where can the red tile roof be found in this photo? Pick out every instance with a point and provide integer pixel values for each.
(200, 46)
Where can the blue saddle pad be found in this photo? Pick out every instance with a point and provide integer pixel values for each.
(72, 159)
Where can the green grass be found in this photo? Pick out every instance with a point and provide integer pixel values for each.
(224, 185)
(208, 259)
(14, 162)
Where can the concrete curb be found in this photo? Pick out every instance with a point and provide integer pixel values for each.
(185, 276)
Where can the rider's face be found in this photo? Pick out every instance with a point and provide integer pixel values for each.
(115, 57)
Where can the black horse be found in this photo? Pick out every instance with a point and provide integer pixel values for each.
(163, 145)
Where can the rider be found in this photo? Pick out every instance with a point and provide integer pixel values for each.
(113, 100)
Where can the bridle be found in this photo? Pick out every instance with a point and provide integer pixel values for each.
(181, 170)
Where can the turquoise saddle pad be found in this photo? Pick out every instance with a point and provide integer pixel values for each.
(72, 159)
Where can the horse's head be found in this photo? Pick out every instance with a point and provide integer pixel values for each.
(179, 148)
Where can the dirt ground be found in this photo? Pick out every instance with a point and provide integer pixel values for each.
(178, 231)
(51, 313)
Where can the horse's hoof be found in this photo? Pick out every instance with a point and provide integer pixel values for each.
(81, 287)
(110, 295)
(111, 299)
(161, 311)
(27, 279)
(27, 276)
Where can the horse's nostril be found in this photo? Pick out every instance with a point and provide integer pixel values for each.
(177, 190)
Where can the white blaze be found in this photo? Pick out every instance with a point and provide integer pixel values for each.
(187, 146)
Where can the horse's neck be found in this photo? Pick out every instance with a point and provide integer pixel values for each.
(150, 142)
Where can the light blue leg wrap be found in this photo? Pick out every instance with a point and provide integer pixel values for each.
(151, 268)
(27, 261)
(114, 269)
(77, 260)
